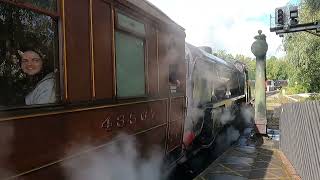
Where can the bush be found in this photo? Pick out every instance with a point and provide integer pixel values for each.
(314, 97)
(296, 89)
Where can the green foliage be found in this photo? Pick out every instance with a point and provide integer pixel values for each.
(313, 4)
(277, 69)
(296, 89)
(224, 55)
(250, 63)
(314, 97)
(303, 54)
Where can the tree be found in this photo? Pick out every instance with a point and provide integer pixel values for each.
(303, 51)
(313, 4)
(224, 55)
(250, 63)
(277, 69)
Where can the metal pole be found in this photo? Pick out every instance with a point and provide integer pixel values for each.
(259, 48)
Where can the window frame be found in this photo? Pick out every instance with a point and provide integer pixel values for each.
(142, 37)
(127, 30)
(35, 9)
(56, 17)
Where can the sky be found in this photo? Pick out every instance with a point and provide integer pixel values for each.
(228, 25)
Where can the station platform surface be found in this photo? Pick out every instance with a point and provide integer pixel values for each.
(250, 160)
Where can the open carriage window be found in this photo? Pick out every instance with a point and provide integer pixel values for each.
(49, 5)
(130, 57)
(28, 55)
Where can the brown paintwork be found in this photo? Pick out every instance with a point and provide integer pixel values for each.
(176, 122)
(146, 142)
(152, 60)
(78, 50)
(102, 38)
(163, 64)
(39, 141)
(175, 135)
(41, 144)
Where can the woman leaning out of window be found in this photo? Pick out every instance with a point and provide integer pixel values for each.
(42, 81)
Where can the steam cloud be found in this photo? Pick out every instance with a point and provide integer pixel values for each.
(247, 113)
(226, 117)
(225, 139)
(119, 161)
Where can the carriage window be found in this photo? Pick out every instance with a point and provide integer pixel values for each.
(28, 56)
(127, 23)
(130, 65)
(130, 57)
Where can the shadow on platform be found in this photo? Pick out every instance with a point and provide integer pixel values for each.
(248, 159)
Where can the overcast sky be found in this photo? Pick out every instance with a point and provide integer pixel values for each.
(225, 24)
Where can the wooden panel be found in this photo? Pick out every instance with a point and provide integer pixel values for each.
(34, 142)
(101, 163)
(175, 135)
(152, 61)
(177, 109)
(163, 64)
(102, 43)
(108, 123)
(176, 123)
(78, 50)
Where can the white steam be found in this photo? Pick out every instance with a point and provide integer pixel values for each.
(225, 139)
(118, 161)
(232, 135)
(227, 116)
(247, 113)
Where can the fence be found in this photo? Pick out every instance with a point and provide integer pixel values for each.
(300, 137)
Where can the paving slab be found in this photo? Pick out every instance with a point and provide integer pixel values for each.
(248, 161)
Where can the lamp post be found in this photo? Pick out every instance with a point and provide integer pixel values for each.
(259, 48)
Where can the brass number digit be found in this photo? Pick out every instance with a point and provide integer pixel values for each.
(132, 118)
(107, 124)
(121, 121)
(144, 115)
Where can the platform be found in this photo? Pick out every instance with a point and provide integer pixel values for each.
(249, 160)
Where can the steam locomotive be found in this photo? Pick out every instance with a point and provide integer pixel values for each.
(213, 87)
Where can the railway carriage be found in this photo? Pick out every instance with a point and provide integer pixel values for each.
(111, 61)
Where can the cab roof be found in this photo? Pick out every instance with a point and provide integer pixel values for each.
(151, 9)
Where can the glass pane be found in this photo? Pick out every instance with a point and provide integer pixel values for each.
(50, 5)
(174, 81)
(131, 24)
(28, 57)
(130, 65)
